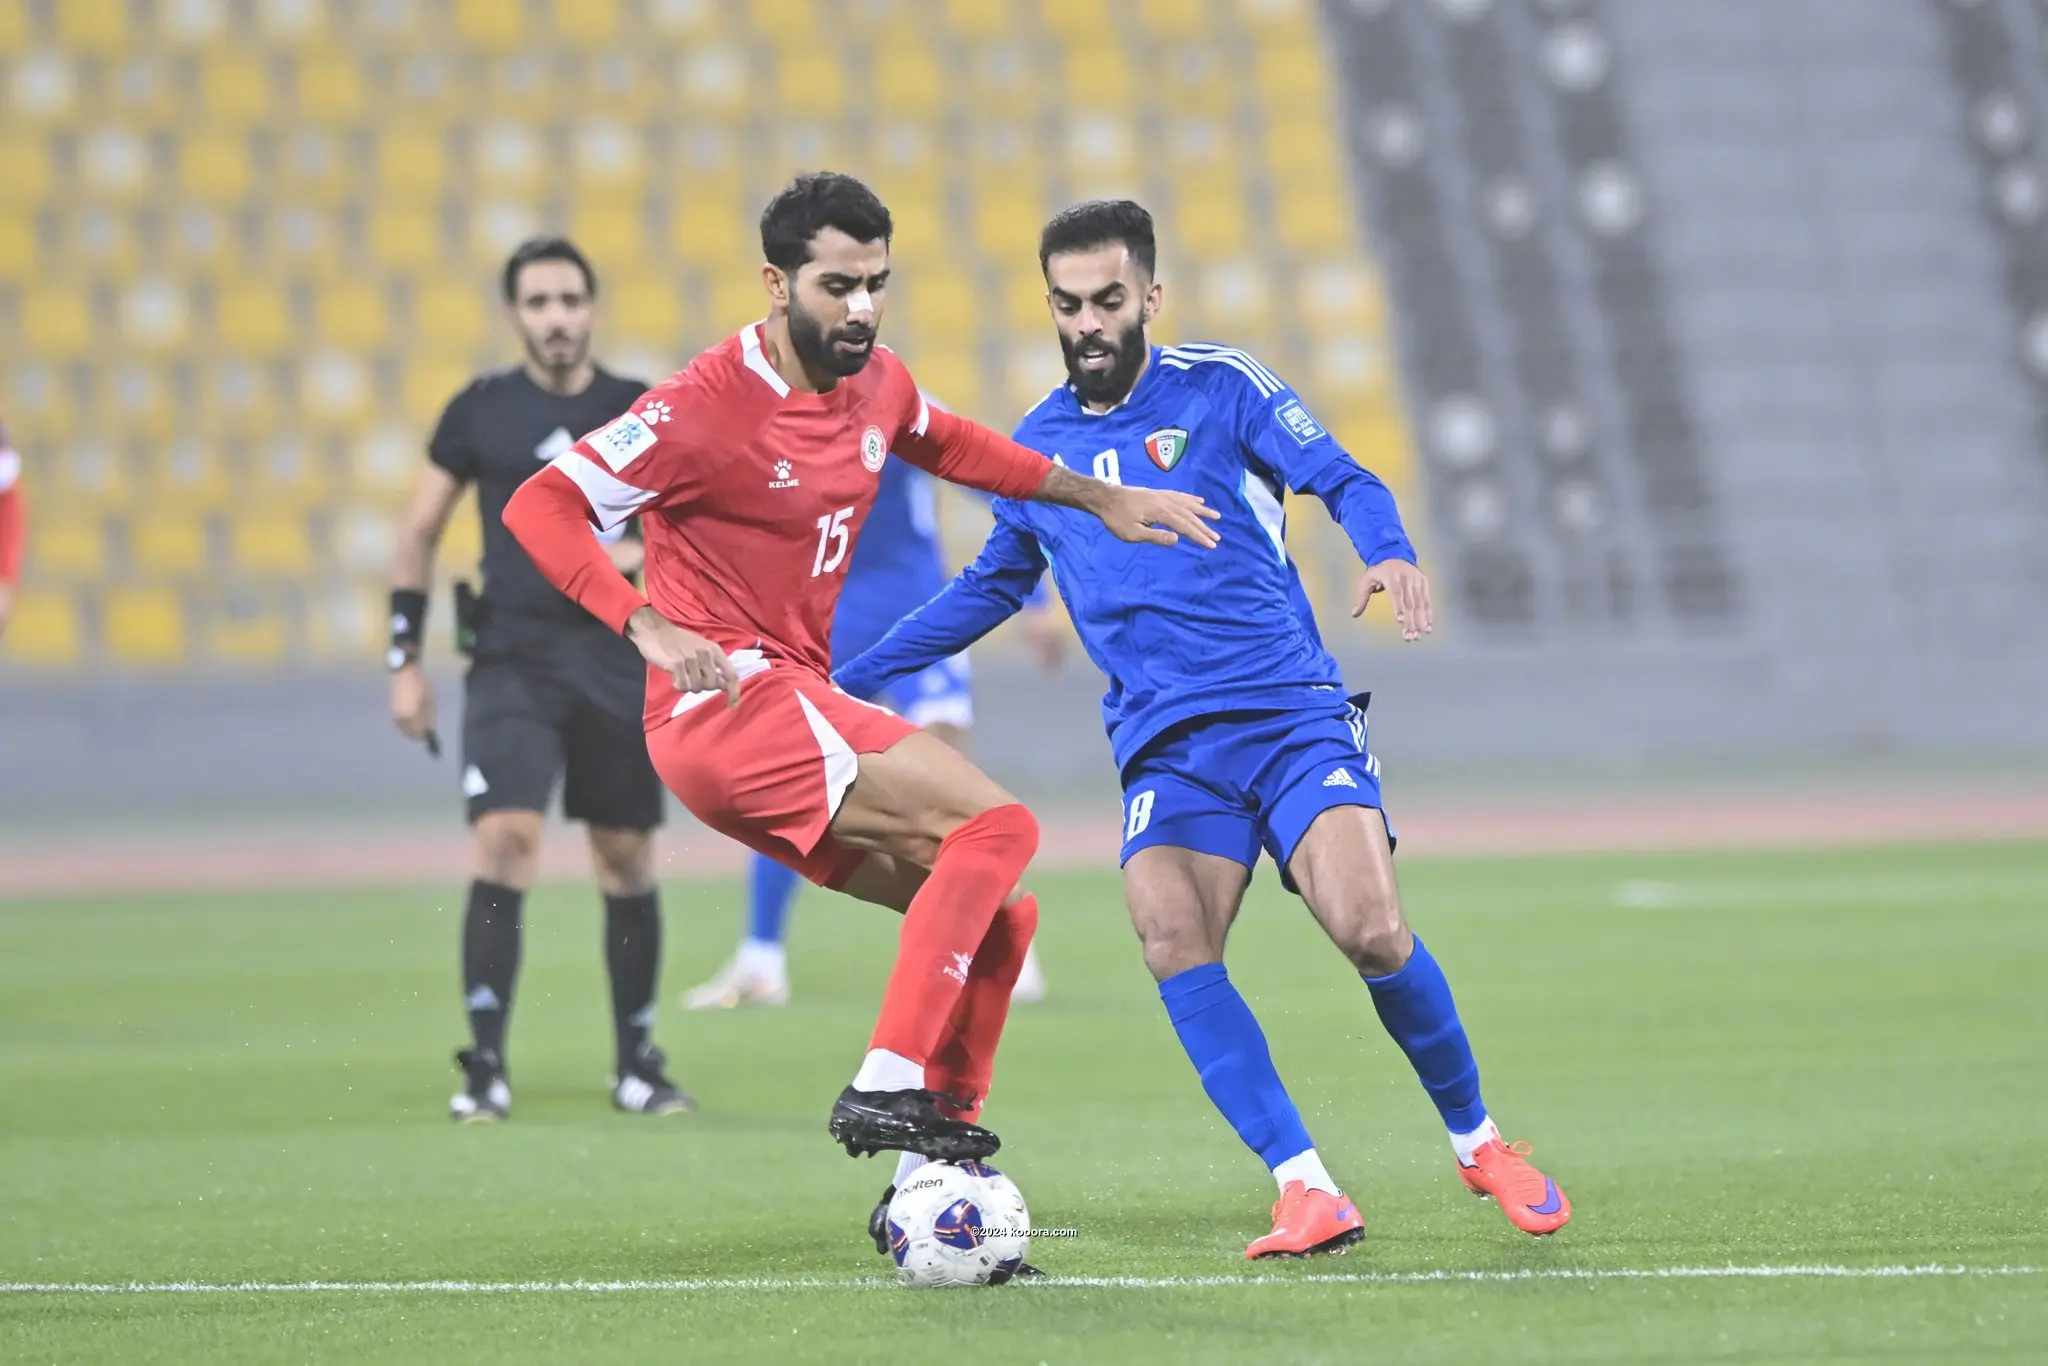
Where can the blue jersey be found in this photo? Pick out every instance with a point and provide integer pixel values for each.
(897, 557)
(1180, 631)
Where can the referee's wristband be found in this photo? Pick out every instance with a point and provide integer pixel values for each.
(408, 619)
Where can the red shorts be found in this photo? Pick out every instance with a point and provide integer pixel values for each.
(771, 771)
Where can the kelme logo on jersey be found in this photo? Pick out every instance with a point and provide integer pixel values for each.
(873, 449)
(1166, 446)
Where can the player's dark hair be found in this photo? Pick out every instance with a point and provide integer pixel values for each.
(1097, 223)
(813, 202)
(546, 249)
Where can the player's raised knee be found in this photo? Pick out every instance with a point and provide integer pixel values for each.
(1377, 948)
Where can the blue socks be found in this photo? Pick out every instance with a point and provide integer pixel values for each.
(770, 889)
(1416, 1007)
(1224, 1042)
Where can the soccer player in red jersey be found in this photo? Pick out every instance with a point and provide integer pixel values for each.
(752, 471)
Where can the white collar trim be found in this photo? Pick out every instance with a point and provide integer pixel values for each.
(757, 360)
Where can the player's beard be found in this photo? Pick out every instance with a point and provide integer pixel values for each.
(548, 352)
(819, 351)
(1127, 357)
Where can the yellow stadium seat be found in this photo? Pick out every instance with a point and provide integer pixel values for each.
(253, 316)
(1293, 77)
(716, 82)
(1277, 19)
(1176, 18)
(285, 472)
(19, 255)
(1314, 218)
(274, 542)
(1300, 148)
(1008, 218)
(1005, 80)
(329, 87)
(609, 232)
(509, 156)
(586, 23)
(412, 162)
(189, 474)
(710, 225)
(1099, 77)
(921, 221)
(447, 316)
(234, 87)
(93, 27)
(292, 23)
(809, 83)
(236, 397)
(908, 82)
(1203, 79)
(69, 548)
(490, 25)
(335, 390)
(13, 27)
(404, 237)
(352, 313)
(213, 167)
(163, 543)
(135, 400)
(609, 159)
(950, 374)
(1076, 21)
(25, 171)
(57, 319)
(246, 632)
(144, 625)
(1024, 304)
(645, 309)
(43, 629)
(736, 300)
(1209, 217)
(777, 19)
(426, 385)
(939, 303)
(981, 20)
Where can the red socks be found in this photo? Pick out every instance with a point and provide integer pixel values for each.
(966, 1056)
(977, 867)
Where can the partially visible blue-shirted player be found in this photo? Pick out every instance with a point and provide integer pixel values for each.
(1228, 719)
(896, 567)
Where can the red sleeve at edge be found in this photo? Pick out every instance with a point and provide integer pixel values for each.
(550, 518)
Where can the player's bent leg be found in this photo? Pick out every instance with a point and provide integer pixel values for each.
(507, 856)
(1182, 903)
(1344, 867)
(624, 863)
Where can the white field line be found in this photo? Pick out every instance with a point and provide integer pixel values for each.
(770, 1283)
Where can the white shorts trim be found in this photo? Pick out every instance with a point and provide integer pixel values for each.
(842, 765)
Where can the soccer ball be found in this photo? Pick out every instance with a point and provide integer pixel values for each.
(957, 1224)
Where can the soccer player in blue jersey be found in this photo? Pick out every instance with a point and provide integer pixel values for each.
(1228, 719)
(896, 567)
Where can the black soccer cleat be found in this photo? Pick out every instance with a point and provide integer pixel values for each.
(642, 1086)
(906, 1121)
(878, 1229)
(484, 1097)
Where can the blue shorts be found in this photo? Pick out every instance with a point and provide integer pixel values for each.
(942, 695)
(1233, 783)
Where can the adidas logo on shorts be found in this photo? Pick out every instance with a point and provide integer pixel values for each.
(1341, 778)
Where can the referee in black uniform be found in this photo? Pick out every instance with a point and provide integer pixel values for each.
(551, 693)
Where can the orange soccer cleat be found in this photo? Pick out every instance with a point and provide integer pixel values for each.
(1306, 1222)
(1531, 1201)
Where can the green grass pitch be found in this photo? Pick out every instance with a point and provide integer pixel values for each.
(1729, 1060)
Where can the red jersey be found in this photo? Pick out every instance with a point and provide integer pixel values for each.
(751, 496)
(11, 535)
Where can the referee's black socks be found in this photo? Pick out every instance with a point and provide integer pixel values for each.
(632, 954)
(490, 960)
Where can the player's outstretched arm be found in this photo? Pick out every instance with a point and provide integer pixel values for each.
(1364, 507)
(985, 594)
(965, 452)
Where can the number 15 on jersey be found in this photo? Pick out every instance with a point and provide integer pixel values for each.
(832, 539)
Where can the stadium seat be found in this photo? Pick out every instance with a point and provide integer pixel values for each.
(1204, 79)
(1099, 77)
(411, 163)
(809, 82)
(448, 316)
(253, 316)
(14, 29)
(1209, 215)
(268, 543)
(144, 625)
(187, 476)
(404, 238)
(1024, 305)
(134, 399)
(1174, 19)
(328, 88)
(490, 25)
(586, 23)
(711, 223)
(1314, 220)
(163, 543)
(908, 82)
(234, 87)
(313, 167)
(115, 164)
(293, 23)
(236, 397)
(426, 385)
(951, 373)
(923, 226)
(607, 232)
(67, 548)
(335, 390)
(26, 175)
(716, 82)
(247, 629)
(57, 318)
(645, 309)
(353, 313)
(44, 629)
(1292, 78)
(213, 167)
(93, 29)
(608, 158)
(736, 300)
(1008, 217)
(19, 251)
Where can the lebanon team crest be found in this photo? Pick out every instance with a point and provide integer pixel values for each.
(1166, 446)
(874, 449)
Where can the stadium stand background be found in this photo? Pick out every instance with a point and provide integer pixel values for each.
(1719, 325)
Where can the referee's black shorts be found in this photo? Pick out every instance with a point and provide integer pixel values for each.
(548, 700)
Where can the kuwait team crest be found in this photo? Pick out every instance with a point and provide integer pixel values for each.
(1166, 446)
